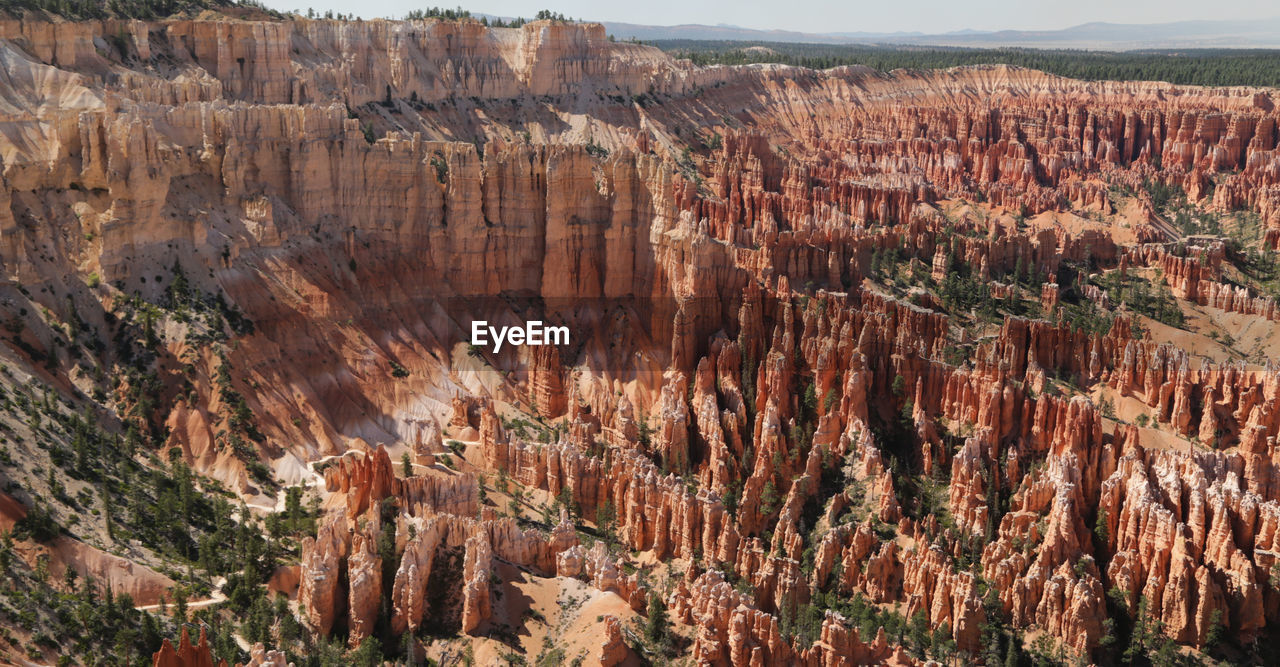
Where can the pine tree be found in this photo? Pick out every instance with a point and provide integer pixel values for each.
(657, 627)
(6, 551)
(918, 634)
(179, 604)
(1011, 653)
(899, 386)
(409, 649)
(369, 654)
(1214, 636)
(1141, 634)
(1100, 526)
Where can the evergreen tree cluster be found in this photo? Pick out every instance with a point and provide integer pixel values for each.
(131, 9)
(460, 14)
(1203, 67)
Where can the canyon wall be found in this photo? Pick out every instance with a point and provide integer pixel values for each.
(309, 204)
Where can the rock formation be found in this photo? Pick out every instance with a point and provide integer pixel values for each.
(849, 351)
(613, 651)
(186, 654)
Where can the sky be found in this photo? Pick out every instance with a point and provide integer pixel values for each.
(818, 16)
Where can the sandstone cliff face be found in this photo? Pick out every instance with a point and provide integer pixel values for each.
(346, 549)
(366, 480)
(477, 561)
(364, 574)
(186, 654)
(1195, 564)
(320, 594)
(614, 650)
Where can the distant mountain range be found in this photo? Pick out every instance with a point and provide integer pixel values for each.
(1262, 33)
